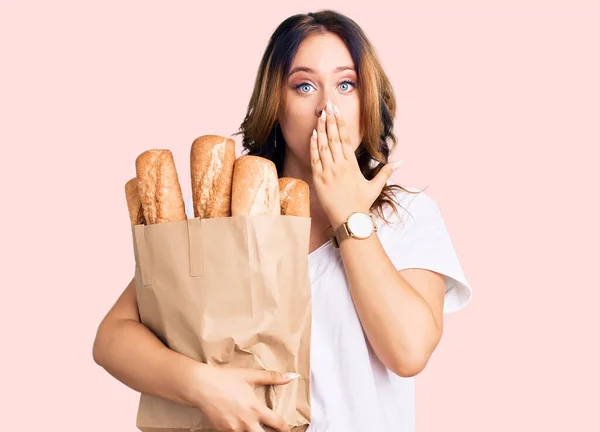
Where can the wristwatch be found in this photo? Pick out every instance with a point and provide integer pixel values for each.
(359, 226)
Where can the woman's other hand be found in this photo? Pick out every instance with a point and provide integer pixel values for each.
(226, 397)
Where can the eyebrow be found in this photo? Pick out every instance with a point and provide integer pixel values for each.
(309, 70)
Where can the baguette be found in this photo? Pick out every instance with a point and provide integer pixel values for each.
(295, 197)
(134, 205)
(255, 188)
(211, 167)
(159, 188)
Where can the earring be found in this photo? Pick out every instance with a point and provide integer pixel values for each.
(275, 136)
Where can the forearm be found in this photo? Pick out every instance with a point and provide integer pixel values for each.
(397, 320)
(131, 353)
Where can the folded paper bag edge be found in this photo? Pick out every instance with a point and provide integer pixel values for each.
(140, 251)
(195, 244)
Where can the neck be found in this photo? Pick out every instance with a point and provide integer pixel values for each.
(293, 167)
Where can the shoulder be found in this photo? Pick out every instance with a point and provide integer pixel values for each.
(418, 238)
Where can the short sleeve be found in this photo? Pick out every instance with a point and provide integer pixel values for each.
(419, 239)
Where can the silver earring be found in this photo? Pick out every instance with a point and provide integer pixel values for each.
(275, 136)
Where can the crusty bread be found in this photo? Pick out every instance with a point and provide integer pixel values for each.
(255, 188)
(211, 169)
(159, 188)
(134, 205)
(295, 197)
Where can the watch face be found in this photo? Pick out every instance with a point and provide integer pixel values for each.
(360, 225)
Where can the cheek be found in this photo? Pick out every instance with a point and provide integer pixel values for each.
(353, 125)
(297, 122)
(300, 112)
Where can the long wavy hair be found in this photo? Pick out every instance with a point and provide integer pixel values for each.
(261, 134)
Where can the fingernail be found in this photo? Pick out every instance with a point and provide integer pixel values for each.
(336, 111)
(323, 115)
(291, 375)
(397, 164)
(314, 134)
(329, 106)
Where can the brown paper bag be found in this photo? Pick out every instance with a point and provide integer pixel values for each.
(229, 292)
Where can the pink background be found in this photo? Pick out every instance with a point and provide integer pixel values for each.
(499, 108)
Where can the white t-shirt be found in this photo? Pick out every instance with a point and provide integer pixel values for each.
(351, 390)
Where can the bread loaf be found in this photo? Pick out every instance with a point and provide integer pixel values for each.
(134, 205)
(295, 197)
(211, 169)
(159, 188)
(255, 188)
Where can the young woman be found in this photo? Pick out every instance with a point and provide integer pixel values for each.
(322, 109)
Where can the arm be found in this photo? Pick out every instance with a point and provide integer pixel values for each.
(131, 353)
(400, 311)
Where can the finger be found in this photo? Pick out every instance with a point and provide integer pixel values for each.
(255, 428)
(271, 418)
(263, 377)
(344, 134)
(384, 174)
(323, 143)
(333, 136)
(315, 159)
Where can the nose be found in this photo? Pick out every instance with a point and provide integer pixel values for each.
(323, 103)
(319, 109)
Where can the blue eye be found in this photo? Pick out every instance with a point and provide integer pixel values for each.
(301, 85)
(352, 83)
(308, 86)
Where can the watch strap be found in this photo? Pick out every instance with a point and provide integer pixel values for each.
(340, 234)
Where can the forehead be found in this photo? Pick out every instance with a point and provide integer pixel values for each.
(322, 52)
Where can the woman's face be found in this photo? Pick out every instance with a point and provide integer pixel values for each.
(305, 93)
